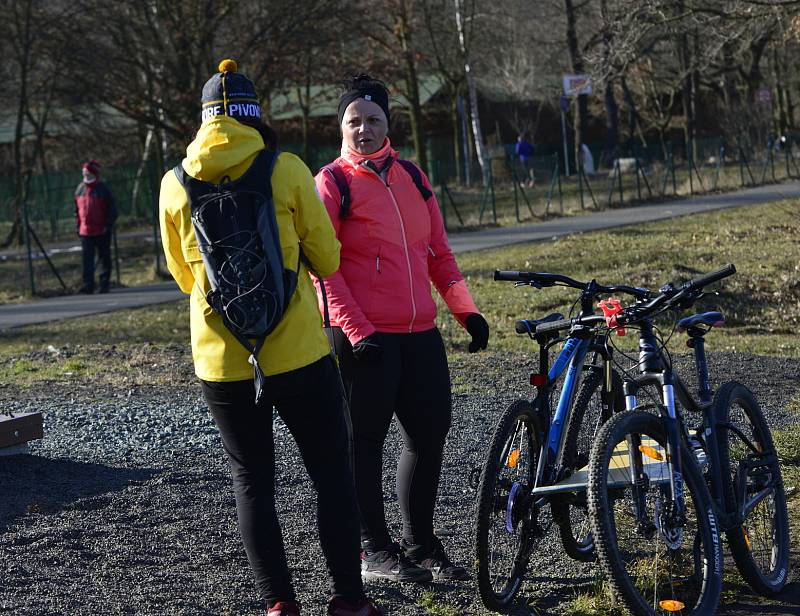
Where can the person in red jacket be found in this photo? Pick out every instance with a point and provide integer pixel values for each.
(391, 354)
(95, 214)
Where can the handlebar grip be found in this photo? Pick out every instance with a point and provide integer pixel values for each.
(707, 279)
(512, 276)
(553, 326)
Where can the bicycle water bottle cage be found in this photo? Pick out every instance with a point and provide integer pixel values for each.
(611, 308)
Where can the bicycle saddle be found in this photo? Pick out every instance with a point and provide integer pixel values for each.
(528, 326)
(712, 319)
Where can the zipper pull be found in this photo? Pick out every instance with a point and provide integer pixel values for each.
(378, 263)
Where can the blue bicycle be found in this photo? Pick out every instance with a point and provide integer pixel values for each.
(535, 470)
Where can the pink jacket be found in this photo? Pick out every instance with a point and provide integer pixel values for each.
(393, 245)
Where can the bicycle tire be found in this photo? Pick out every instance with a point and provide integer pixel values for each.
(766, 574)
(695, 582)
(496, 504)
(585, 420)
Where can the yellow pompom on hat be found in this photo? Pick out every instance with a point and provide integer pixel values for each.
(230, 93)
(228, 66)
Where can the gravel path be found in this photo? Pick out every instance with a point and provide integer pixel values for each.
(126, 506)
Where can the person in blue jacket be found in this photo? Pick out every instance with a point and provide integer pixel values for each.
(524, 151)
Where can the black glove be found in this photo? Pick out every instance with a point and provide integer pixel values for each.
(368, 348)
(478, 328)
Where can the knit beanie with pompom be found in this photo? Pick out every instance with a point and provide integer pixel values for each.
(230, 93)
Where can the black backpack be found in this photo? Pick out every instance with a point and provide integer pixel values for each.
(237, 235)
(335, 171)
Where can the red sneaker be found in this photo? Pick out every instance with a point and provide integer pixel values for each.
(284, 608)
(340, 607)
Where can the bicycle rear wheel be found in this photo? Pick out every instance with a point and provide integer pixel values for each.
(504, 526)
(658, 560)
(587, 416)
(750, 470)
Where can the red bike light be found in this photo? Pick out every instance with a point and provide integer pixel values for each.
(538, 380)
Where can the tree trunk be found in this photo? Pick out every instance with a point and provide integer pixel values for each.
(472, 92)
(610, 102)
(780, 99)
(576, 61)
(403, 34)
(148, 140)
(458, 136)
(20, 185)
(684, 57)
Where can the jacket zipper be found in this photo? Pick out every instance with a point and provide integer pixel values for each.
(405, 249)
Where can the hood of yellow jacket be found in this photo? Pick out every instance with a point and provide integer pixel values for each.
(221, 145)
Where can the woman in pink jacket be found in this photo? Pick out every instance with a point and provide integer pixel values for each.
(391, 353)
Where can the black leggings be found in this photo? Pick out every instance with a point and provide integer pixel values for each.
(410, 380)
(309, 402)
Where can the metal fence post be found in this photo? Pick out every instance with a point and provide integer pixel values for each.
(28, 246)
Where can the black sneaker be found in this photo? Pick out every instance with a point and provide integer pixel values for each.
(392, 564)
(434, 559)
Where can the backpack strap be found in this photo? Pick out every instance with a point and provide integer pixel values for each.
(416, 175)
(338, 176)
(335, 171)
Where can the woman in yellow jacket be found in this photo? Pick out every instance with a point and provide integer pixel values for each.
(301, 380)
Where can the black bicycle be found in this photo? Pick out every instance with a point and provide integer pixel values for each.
(656, 525)
(534, 474)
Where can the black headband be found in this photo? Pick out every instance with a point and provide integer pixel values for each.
(373, 92)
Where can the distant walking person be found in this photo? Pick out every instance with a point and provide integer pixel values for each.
(524, 151)
(233, 160)
(587, 160)
(95, 214)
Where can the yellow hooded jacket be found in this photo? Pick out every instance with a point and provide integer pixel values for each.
(225, 147)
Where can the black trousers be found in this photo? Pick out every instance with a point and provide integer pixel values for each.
(102, 245)
(310, 403)
(411, 381)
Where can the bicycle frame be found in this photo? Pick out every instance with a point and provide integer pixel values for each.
(656, 370)
(571, 359)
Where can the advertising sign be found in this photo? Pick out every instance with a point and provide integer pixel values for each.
(577, 84)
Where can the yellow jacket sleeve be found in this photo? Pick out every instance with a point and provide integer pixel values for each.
(171, 200)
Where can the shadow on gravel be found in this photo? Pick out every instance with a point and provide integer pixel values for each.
(787, 602)
(33, 484)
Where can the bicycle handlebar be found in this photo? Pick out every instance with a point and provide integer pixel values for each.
(707, 279)
(542, 279)
(671, 296)
(668, 297)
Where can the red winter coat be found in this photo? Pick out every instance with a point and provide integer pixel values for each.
(393, 245)
(95, 210)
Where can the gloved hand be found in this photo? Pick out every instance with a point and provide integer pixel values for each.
(368, 348)
(478, 328)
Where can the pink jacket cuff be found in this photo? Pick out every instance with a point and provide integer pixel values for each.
(459, 301)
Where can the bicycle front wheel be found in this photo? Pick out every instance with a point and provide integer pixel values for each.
(505, 537)
(659, 559)
(751, 482)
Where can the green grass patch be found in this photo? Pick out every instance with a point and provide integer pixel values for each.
(761, 302)
(432, 606)
(145, 345)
